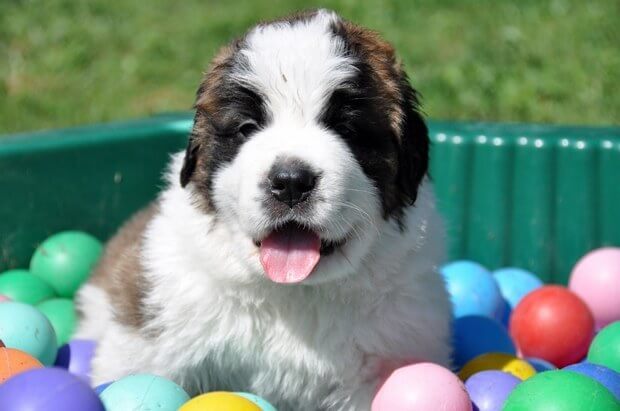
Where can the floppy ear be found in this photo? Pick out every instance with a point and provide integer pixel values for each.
(415, 144)
(189, 162)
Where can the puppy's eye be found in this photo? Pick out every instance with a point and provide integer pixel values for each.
(247, 128)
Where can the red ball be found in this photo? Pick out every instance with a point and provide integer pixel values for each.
(554, 324)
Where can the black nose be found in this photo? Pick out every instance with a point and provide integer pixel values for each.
(291, 182)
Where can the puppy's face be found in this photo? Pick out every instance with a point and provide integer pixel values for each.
(306, 139)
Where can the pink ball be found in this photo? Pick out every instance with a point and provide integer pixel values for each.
(422, 387)
(4, 298)
(596, 279)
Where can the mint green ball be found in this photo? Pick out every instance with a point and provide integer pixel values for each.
(143, 392)
(22, 286)
(61, 313)
(65, 260)
(25, 328)
(560, 391)
(605, 348)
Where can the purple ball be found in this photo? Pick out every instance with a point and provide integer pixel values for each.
(49, 389)
(606, 376)
(488, 390)
(76, 356)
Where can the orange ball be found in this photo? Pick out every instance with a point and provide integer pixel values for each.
(14, 361)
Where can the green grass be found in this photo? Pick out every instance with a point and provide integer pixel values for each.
(66, 62)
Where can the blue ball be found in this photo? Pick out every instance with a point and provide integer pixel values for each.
(609, 378)
(540, 365)
(263, 404)
(473, 290)
(475, 335)
(515, 283)
(144, 392)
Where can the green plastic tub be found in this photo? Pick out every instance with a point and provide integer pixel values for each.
(532, 196)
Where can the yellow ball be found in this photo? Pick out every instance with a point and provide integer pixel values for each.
(498, 361)
(219, 401)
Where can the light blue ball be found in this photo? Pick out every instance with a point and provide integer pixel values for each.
(142, 392)
(515, 283)
(473, 290)
(263, 404)
(606, 376)
(27, 329)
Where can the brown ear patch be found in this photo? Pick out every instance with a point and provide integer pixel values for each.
(381, 57)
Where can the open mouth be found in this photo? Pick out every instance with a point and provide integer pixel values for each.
(290, 253)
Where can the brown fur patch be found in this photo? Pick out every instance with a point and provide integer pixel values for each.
(120, 273)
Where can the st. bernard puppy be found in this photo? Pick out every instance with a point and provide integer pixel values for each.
(294, 252)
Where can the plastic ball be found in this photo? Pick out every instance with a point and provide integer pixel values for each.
(263, 404)
(76, 357)
(498, 361)
(415, 387)
(49, 389)
(605, 348)
(596, 279)
(606, 376)
(488, 390)
(4, 298)
(475, 335)
(473, 290)
(560, 390)
(554, 324)
(540, 365)
(143, 391)
(61, 313)
(27, 329)
(22, 286)
(101, 387)
(13, 362)
(219, 401)
(515, 283)
(65, 260)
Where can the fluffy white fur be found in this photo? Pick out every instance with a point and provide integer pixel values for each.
(374, 304)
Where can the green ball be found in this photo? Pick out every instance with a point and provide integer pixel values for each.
(143, 392)
(605, 348)
(65, 260)
(25, 328)
(61, 313)
(21, 286)
(561, 391)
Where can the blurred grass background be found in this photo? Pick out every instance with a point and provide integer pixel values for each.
(67, 62)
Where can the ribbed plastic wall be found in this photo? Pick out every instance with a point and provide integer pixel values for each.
(536, 197)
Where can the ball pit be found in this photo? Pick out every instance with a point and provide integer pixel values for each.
(101, 387)
(62, 316)
(13, 362)
(219, 401)
(64, 260)
(22, 286)
(596, 279)
(554, 324)
(49, 389)
(4, 298)
(475, 335)
(415, 388)
(473, 290)
(488, 390)
(560, 390)
(540, 365)
(27, 329)
(498, 361)
(605, 348)
(606, 376)
(143, 391)
(76, 357)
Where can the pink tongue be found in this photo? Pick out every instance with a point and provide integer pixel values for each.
(289, 255)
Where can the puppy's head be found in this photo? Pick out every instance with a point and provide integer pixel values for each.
(307, 137)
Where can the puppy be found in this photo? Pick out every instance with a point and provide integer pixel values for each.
(294, 252)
